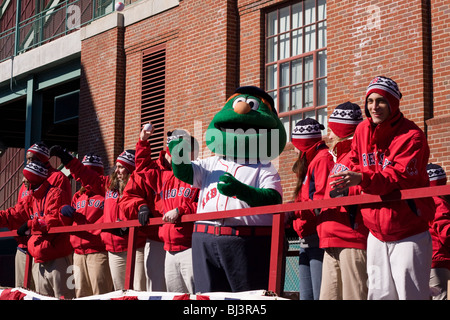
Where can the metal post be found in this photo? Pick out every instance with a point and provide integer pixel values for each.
(27, 273)
(33, 121)
(17, 32)
(131, 255)
(276, 281)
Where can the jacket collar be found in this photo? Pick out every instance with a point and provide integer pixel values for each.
(42, 190)
(382, 133)
(312, 152)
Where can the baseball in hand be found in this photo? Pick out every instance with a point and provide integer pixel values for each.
(148, 127)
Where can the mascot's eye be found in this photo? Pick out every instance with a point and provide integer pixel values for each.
(254, 104)
(239, 99)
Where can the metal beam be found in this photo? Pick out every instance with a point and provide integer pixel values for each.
(33, 121)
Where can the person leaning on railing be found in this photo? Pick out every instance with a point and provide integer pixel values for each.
(36, 214)
(390, 153)
(111, 187)
(91, 267)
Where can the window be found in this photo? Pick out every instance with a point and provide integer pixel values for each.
(296, 61)
(153, 94)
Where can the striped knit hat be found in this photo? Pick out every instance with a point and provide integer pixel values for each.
(35, 172)
(388, 88)
(126, 158)
(436, 175)
(344, 119)
(94, 162)
(306, 133)
(40, 150)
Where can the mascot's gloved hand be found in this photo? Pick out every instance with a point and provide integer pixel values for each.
(180, 150)
(61, 153)
(230, 186)
(254, 197)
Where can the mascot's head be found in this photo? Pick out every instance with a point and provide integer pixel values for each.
(247, 127)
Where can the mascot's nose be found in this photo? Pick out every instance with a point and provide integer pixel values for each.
(242, 107)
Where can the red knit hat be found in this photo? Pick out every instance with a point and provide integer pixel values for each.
(344, 119)
(35, 172)
(126, 158)
(388, 88)
(41, 151)
(436, 175)
(306, 134)
(94, 162)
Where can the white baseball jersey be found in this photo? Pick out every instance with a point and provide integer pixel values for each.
(206, 176)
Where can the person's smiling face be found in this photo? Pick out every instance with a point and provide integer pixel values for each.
(378, 108)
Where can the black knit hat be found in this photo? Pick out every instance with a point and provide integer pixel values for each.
(255, 91)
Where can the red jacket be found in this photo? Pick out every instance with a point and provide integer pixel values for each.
(440, 234)
(90, 179)
(320, 162)
(89, 209)
(392, 156)
(40, 210)
(57, 179)
(174, 193)
(342, 227)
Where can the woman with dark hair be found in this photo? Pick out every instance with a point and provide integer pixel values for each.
(312, 169)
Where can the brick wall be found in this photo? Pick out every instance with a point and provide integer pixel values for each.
(201, 72)
(101, 111)
(438, 126)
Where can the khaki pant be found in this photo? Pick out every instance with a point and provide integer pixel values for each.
(52, 278)
(344, 275)
(439, 279)
(117, 265)
(91, 274)
(154, 265)
(20, 263)
(178, 271)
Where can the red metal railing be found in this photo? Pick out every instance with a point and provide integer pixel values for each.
(277, 244)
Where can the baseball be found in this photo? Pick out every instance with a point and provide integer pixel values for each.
(119, 6)
(148, 127)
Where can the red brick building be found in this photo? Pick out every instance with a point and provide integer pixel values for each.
(175, 62)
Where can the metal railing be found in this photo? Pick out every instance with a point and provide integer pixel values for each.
(55, 21)
(278, 227)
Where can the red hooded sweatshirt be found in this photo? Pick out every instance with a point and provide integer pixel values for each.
(40, 210)
(97, 183)
(392, 156)
(320, 162)
(440, 234)
(174, 193)
(342, 227)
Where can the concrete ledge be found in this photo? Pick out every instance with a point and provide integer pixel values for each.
(143, 9)
(59, 50)
(45, 55)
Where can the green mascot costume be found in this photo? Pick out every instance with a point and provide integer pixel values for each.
(233, 254)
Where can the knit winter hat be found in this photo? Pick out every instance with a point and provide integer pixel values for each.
(40, 150)
(94, 162)
(126, 158)
(344, 119)
(436, 175)
(386, 87)
(306, 133)
(35, 172)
